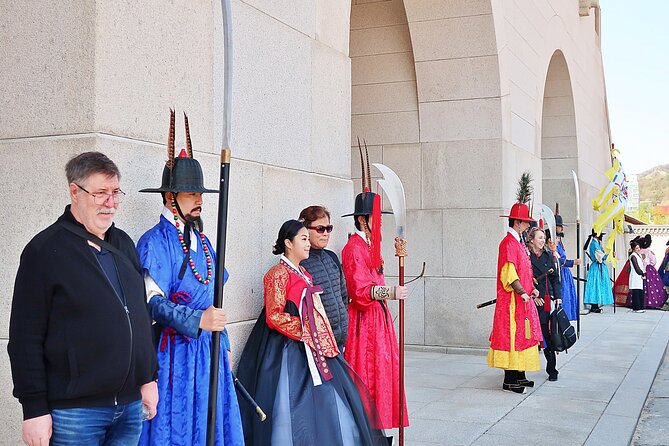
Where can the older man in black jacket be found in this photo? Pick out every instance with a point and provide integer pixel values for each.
(80, 342)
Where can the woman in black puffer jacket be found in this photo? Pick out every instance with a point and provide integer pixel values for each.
(325, 268)
(547, 281)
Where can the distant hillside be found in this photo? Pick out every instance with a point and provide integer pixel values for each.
(654, 185)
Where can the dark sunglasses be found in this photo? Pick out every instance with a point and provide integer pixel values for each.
(321, 229)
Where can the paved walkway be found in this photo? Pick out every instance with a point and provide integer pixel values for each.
(455, 399)
(653, 426)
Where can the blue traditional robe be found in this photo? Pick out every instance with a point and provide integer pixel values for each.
(184, 351)
(569, 298)
(598, 289)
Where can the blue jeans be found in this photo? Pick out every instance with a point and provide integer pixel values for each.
(96, 426)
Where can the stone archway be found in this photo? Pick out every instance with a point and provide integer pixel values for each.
(427, 98)
(559, 149)
(384, 101)
(384, 112)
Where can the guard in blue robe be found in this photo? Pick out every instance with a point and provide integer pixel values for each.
(178, 262)
(569, 298)
(598, 289)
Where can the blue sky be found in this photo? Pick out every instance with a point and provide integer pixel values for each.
(635, 48)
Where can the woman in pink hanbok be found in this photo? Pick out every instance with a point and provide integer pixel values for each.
(653, 289)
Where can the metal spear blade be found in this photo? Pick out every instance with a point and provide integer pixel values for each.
(549, 219)
(392, 185)
(226, 10)
(578, 197)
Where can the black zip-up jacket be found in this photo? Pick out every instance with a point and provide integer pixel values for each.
(325, 269)
(550, 283)
(71, 341)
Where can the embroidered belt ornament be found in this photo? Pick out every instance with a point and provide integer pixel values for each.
(169, 334)
(309, 311)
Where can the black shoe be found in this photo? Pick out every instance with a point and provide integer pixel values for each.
(595, 310)
(515, 388)
(525, 383)
(552, 377)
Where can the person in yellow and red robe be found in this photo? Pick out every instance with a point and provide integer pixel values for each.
(516, 331)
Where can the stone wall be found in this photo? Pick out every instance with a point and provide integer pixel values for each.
(501, 87)
(450, 94)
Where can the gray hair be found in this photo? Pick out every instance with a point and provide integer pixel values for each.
(79, 168)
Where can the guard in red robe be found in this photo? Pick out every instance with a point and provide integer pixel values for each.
(516, 331)
(372, 348)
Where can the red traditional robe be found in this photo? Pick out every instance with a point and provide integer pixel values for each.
(282, 284)
(516, 330)
(621, 289)
(371, 347)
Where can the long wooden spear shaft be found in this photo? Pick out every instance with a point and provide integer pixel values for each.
(400, 252)
(578, 278)
(392, 185)
(221, 235)
(222, 229)
(578, 254)
(613, 233)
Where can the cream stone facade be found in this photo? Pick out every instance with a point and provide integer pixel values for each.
(457, 96)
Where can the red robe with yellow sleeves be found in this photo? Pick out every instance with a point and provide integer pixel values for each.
(371, 347)
(516, 331)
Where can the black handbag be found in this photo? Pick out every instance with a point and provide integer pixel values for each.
(563, 334)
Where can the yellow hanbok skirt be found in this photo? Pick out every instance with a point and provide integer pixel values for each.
(523, 360)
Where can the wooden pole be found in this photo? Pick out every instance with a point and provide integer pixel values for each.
(221, 234)
(578, 278)
(400, 252)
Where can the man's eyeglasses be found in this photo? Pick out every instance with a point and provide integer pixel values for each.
(321, 229)
(101, 198)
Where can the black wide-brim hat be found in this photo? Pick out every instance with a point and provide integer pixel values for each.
(558, 220)
(594, 234)
(185, 176)
(364, 205)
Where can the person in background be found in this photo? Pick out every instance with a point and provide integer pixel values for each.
(663, 271)
(636, 277)
(655, 295)
(598, 289)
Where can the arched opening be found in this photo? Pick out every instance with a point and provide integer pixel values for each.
(384, 102)
(384, 113)
(559, 150)
(384, 106)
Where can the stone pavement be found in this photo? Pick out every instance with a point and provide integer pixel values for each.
(653, 426)
(455, 399)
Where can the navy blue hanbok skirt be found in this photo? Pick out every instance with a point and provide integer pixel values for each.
(274, 370)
